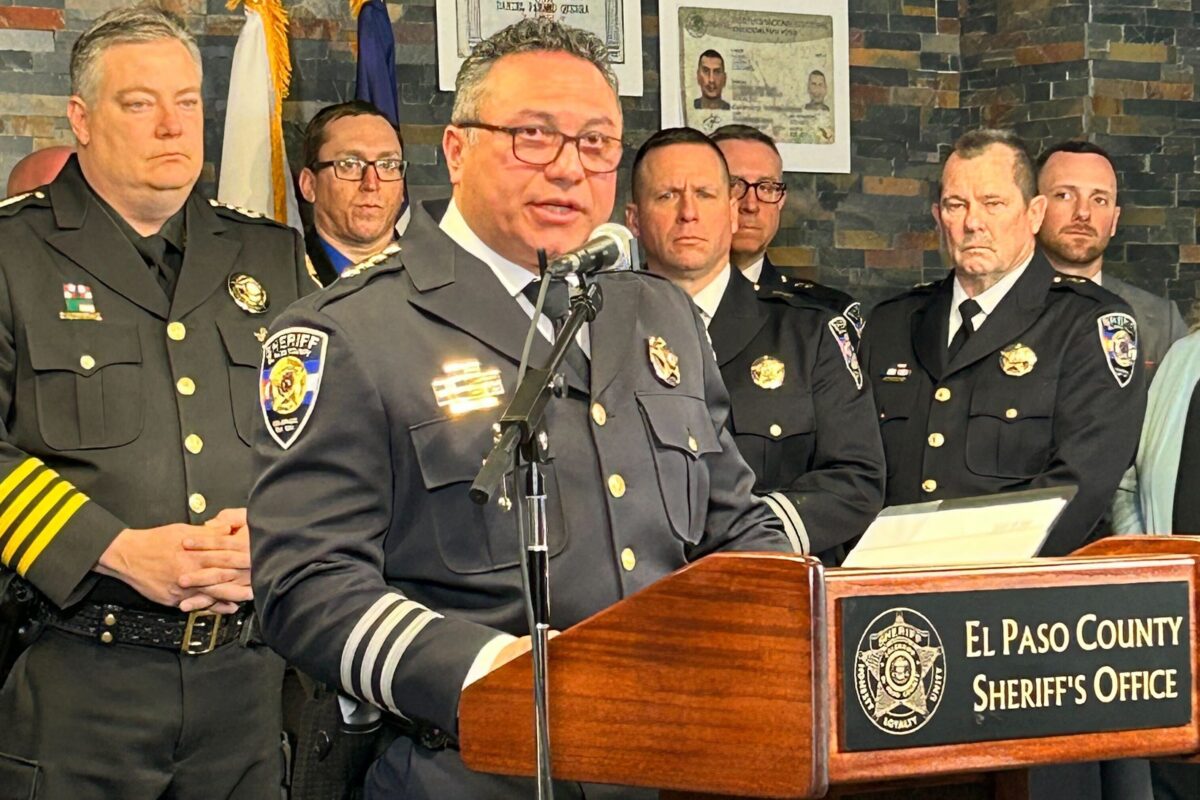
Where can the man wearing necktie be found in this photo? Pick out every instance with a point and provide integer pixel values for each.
(1005, 374)
(375, 571)
(802, 417)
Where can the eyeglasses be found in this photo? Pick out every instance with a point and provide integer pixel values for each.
(540, 146)
(767, 191)
(353, 169)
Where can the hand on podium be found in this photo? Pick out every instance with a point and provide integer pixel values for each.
(513, 649)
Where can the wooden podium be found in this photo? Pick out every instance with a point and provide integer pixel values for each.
(766, 676)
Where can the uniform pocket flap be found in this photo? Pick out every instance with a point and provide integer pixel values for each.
(680, 423)
(451, 450)
(240, 343)
(83, 352)
(18, 777)
(776, 419)
(1011, 403)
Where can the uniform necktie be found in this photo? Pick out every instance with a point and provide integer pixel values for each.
(556, 308)
(967, 310)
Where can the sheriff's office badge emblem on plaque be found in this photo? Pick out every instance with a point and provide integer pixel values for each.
(900, 671)
(249, 295)
(293, 361)
(1017, 360)
(465, 386)
(840, 329)
(78, 300)
(664, 362)
(1118, 337)
(767, 372)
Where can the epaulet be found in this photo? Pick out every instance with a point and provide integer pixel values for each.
(359, 275)
(11, 205)
(242, 214)
(1083, 286)
(788, 294)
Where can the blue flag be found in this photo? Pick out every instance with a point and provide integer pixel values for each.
(377, 60)
(377, 72)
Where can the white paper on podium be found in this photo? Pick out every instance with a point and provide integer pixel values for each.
(970, 530)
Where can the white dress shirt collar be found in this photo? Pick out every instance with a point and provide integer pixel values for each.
(709, 298)
(754, 271)
(988, 300)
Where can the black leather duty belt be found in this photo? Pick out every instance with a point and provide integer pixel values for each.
(192, 634)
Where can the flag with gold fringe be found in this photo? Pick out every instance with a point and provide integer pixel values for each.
(254, 166)
(377, 70)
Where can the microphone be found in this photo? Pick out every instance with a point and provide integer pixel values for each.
(606, 248)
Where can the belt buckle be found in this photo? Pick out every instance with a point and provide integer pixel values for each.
(197, 622)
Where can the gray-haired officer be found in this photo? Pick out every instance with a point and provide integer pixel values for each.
(131, 314)
(373, 569)
(801, 416)
(1005, 375)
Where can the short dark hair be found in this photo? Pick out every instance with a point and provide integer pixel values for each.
(974, 143)
(665, 138)
(817, 72)
(710, 53)
(742, 133)
(314, 133)
(1074, 146)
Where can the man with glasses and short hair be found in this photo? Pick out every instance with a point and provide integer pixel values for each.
(801, 416)
(375, 570)
(354, 178)
(757, 172)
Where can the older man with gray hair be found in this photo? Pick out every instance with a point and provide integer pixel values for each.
(131, 314)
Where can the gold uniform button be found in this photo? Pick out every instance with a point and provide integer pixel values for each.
(176, 331)
(194, 444)
(693, 445)
(110, 620)
(929, 485)
(87, 362)
(616, 485)
(776, 430)
(942, 395)
(197, 503)
(936, 440)
(628, 559)
(599, 415)
(186, 386)
(106, 637)
(1010, 413)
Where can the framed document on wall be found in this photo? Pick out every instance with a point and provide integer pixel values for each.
(461, 24)
(781, 66)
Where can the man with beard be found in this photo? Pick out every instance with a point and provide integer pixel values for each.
(354, 177)
(1080, 187)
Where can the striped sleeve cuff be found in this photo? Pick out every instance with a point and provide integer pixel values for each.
(377, 645)
(50, 532)
(793, 526)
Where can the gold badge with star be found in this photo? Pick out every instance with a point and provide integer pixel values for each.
(1017, 359)
(767, 372)
(900, 671)
(663, 361)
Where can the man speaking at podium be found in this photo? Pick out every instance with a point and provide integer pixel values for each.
(374, 569)
(1005, 375)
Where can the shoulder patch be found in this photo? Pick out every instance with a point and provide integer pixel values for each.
(1118, 338)
(840, 329)
(290, 379)
(11, 205)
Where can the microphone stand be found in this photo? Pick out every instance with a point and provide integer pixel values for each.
(521, 438)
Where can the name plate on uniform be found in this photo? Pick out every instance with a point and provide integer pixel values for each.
(959, 667)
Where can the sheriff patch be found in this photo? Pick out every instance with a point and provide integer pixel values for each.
(293, 361)
(854, 315)
(1118, 337)
(841, 332)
